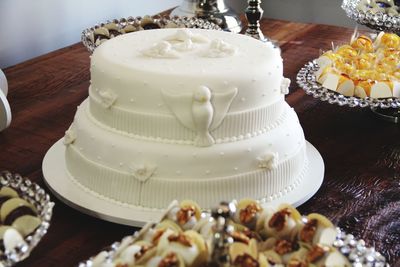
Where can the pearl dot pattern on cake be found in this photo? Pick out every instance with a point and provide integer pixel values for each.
(159, 134)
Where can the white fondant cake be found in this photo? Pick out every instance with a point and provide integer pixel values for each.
(179, 114)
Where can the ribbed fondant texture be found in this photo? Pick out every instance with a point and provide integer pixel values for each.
(128, 142)
(168, 127)
(156, 192)
(107, 182)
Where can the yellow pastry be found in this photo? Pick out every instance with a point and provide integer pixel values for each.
(363, 43)
(347, 52)
(367, 68)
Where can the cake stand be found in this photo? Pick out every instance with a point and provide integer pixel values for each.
(17, 250)
(378, 21)
(385, 108)
(76, 196)
(94, 36)
(216, 11)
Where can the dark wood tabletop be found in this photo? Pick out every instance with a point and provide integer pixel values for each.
(361, 188)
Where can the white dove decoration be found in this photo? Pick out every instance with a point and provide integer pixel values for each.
(202, 114)
(201, 111)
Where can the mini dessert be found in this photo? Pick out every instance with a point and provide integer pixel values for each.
(248, 214)
(317, 230)
(99, 34)
(282, 238)
(18, 217)
(186, 215)
(17, 212)
(112, 29)
(282, 223)
(364, 68)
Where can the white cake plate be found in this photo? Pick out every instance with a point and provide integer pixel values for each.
(63, 187)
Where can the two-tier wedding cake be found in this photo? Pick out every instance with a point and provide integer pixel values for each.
(185, 114)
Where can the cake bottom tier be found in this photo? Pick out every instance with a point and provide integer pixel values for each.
(118, 167)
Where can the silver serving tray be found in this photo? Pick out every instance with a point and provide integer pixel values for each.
(89, 37)
(378, 21)
(358, 254)
(306, 79)
(35, 195)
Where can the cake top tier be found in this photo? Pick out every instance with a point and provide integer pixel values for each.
(184, 51)
(137, 70)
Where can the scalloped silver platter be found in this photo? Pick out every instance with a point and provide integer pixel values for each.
(358, 254)
(306, 79)
(144, 23)
(378, 21)
(35, 195)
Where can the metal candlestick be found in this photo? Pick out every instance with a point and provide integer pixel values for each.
(215, 11)
(254, 14)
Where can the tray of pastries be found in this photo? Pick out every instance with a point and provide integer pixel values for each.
(381, 15)
(239, 234)
(96, 35)
(25, 214)
(363, 73)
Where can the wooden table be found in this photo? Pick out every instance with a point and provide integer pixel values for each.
(360, 193)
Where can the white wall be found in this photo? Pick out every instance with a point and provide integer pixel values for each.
(29, 28)
(318, 11)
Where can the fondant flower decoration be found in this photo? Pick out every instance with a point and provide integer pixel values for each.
(70, 136)
(220, 48)
(186, 45)
(107, 98)
(268, 161)
(183, 35)
(161, 50)
(285, 86)
(143, 172)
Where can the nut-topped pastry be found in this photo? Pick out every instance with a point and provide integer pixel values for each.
(137, 253)
(190, 245)
(282, 223)
(284, 238)
(249, 213)
(317, 230)
(244, 254)
(364, 68)
(168, 259)
(186, 215)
